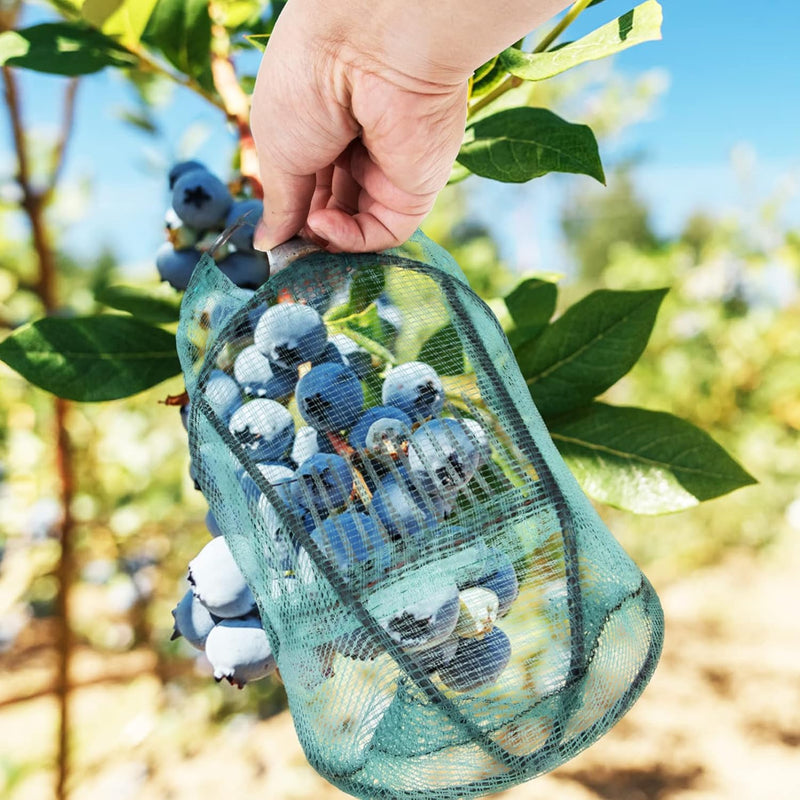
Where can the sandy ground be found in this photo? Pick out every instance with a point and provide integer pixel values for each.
(720, 719)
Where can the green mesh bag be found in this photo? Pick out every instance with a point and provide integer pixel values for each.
(448, 613)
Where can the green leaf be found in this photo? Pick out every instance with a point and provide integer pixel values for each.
(532, 302)
(124, 20)
(181, 29)
(589, 348)
(62, 48)
(641, 24)
(158, 305)
(91, 358)
(648, 462)
(519, 144)
(443, 352)
(365, 287)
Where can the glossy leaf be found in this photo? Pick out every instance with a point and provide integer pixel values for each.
(519, 144)
(589, 348)
(125, 20)
(104, 357)
(648, 462)
(532, 302)
(641, 24)
(62, 48)
(181, 29)
(159, 304)
(443, 352)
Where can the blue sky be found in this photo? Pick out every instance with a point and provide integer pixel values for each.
(734, 86)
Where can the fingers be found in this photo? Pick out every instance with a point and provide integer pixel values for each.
(287, 199)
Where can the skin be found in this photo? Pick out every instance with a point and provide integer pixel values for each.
(359, 108)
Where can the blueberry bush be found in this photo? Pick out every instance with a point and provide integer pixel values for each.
(349, 398)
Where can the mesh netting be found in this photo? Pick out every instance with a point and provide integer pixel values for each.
(448, 613)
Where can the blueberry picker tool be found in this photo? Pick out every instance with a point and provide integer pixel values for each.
(447, 611)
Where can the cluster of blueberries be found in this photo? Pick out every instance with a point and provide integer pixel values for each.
(202, 207)
(373, 486)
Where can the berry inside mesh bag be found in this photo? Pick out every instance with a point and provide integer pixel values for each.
(446, 610)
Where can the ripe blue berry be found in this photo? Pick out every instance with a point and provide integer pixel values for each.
(358, 435)
(415, 388)
(351, 539)
(430, 659)
(476, 432)
(264, 428)
(246, 270)
(358, 359)
(442, 456)
(217, 581)
(183, 168)
(259, 377)
(249, 212)
(477, 662)
(176, 266)
(281, 478)
(223, 394)
(239, 651)
(502, 580)
(193, 621)
(309, 442)
(201, 199)
(330, 397)
(423, 622)
(290, 334)
(401, 510)
(324, 483)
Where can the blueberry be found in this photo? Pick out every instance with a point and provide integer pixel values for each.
(430, 659)
(417, 614)
(183, 168)
(442, 456)
(176, 266)
(193, 621)
(324, 483)
(217, 581)
(201, 199)
(309, 442)
(184, 412)
(290, 334)
(250, 212)
(239, 651)
(330, 355)
(212, 524)
(351, 539)
(258, 377)
(423, 622)
(246, 270)
(281, 478)
(358, 435)
(358, 359)
(223, 394)
(415, 388)
(401, 510)
(502, 581)
(280, 549)
(330, 397)
(387, 436)
(264, 428)
(477, 662)
(480, 438)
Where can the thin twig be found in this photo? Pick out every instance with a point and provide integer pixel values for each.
(32, 203)
(562, 25)
(65, 131)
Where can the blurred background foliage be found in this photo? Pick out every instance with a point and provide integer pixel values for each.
(724, 354)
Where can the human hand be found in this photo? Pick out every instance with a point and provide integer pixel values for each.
(352, 150)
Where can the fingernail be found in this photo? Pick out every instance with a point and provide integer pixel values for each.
(261, 239)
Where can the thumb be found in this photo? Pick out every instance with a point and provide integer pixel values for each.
(287, 199)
